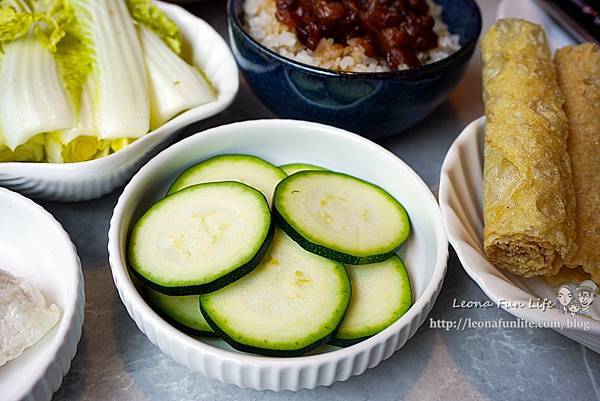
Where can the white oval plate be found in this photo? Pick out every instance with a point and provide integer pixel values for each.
(94, 178)
(461, 203)
(528, 10)
(286, 141)
(33, 245)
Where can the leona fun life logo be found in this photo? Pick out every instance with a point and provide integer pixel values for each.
(577, 301)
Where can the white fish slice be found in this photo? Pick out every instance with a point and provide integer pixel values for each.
(24, 316)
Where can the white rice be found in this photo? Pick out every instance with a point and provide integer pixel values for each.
(267, 30)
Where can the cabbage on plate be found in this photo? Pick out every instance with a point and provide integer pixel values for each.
(81, 79)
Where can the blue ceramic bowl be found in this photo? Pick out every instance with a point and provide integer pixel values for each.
(372, 104)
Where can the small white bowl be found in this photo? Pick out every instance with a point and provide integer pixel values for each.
(33, 245)
(461, 188)
(94, 178)
(286, 141)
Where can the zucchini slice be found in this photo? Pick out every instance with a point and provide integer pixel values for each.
(290, 304)
(250, 170)
(340, 217)
(381, 293)
(201, 238)
(183, 312)
(293, 168)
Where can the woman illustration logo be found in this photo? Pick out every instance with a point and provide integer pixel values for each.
(564, 297)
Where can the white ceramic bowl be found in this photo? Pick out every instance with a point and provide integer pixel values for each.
(33, 245)
(94, 178)
(286, 141)
(461, 203)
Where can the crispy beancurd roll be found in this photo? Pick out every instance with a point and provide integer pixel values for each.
(567, 275)
(528, 201)
(578, 71)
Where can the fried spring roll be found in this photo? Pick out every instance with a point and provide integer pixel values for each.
(528, 201)
(567, 275)
(578, 71)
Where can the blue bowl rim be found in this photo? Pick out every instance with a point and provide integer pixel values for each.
(412, 73)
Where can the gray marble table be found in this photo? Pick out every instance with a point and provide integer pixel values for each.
(115, 361)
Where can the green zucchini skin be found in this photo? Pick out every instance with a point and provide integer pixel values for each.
(190, 172)
(219, 283)
(263, 351)
(343, 343)
(178, 325)
(146, 260)
(188, 330)
(327, 252)
(404, 299)
(292, 168)
(317, 331)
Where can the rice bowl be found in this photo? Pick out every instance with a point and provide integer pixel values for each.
(263, 25)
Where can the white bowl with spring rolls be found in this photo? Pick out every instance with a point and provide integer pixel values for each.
(519, 189)
(41, 300)
(88, 130)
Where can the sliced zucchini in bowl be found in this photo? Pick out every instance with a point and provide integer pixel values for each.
(381, 293)
(340, 217)
(183, 312)
(201, 238)
(247, 169)
(289, 305)
(293, 168)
